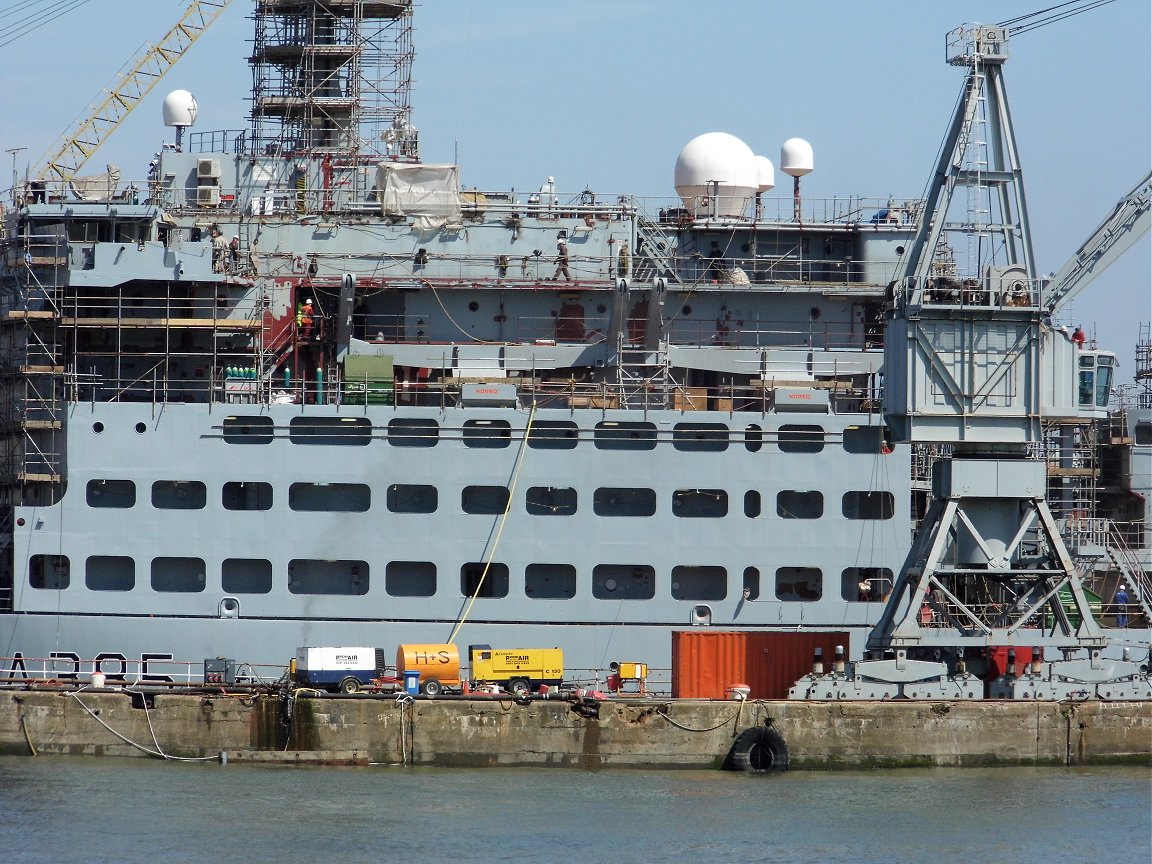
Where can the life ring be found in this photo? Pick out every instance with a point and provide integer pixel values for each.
(761, 750)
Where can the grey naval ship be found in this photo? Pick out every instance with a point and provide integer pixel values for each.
(296, 387)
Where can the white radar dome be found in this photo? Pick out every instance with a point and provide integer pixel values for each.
(180, 109)
(716, 164)
(796, 157)
(765, 174)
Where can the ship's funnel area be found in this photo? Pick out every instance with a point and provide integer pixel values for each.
(716, 176)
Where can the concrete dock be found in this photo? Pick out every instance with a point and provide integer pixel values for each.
(613, 733)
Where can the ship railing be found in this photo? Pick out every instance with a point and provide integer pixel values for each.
(781, 209)
(107, 189)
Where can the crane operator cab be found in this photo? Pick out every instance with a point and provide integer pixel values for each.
(1094, 382)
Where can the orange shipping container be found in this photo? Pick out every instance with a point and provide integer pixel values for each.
(705, 663)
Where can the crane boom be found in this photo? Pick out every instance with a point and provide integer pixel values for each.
(1125, 225)
(154, 61)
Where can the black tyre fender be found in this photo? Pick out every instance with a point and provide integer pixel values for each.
(432, 687)
(761, 750)
(350, 685)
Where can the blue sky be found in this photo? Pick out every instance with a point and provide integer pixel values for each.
(605, 93)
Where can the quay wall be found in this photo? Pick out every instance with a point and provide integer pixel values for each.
(618, 733)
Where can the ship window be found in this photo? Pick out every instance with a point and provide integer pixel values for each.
(246, 495)
(487, 433)
(412, 498)
(699, 583)
(330, 430)
(866, 584)
(550, 501)
(868, 505)
(793, 504)
(751, 583)
(752, 503)
(550, 581)
(700, 503)
(413, 432)
(798, 583)
(753, 438)
(246, 576)
(795, 438)
(553, 435)
(608, 501)
(111, 493)
(184, 575)
(623, 582)
(484, 500)
(179, 495)
(329, 497)
(1143, 436)
(255, 429)
(700, 437)
(109, 573)
(864, 439)
(410, 578)
(344, 578)
(635, 435)
(480, 580)
(51, 572)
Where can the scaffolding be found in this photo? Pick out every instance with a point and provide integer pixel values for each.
(333, 77)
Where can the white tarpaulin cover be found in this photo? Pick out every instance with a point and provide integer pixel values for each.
(430, 193)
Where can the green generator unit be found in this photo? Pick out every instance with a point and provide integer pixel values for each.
(369, 380)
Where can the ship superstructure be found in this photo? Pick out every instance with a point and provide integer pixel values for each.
(296, 387)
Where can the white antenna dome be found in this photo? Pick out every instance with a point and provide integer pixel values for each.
(180, 109)
(765, 174)
(717, 166)
(796, 157)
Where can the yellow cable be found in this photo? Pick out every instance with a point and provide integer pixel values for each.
(503, 522)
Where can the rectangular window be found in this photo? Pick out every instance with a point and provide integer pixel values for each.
(329, 497)
(751, 583)
(700, 437)
(868, 505)
(699, 583)
(794, 504)
(609, 501)
(752, 503)
(550, 581)
(623, 582)
(246, 576)
(553, 435)
(111, 493)
(178, 575)
(413, 432)
(410, 578)
(245, 495)
(412, 498)
(797, 438)
(179, 495)
(343, 578)
(631, 435)
(480, 580)
(49, 572)
(330, 430)
(109, 573)
(799, 583)
(866, 584)
(484, 500)
(252, 429)
(487, 433)
(700, 503)
(550, 501)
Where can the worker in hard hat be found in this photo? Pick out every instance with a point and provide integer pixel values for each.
(304, 317)
(1120, 601)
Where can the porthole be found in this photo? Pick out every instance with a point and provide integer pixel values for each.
(473, 306)
(899, 250)
(686, 310)
(601, 308)
(97, 427)
(141, 428)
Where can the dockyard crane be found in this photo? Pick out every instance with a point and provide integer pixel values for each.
(82, 140)
(973, 365)
(1127, 223)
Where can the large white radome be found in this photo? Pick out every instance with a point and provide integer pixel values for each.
(720, 164)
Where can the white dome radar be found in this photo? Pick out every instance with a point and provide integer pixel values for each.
(796, 161)
(765, 174)
(180, 110)
(716, 175)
